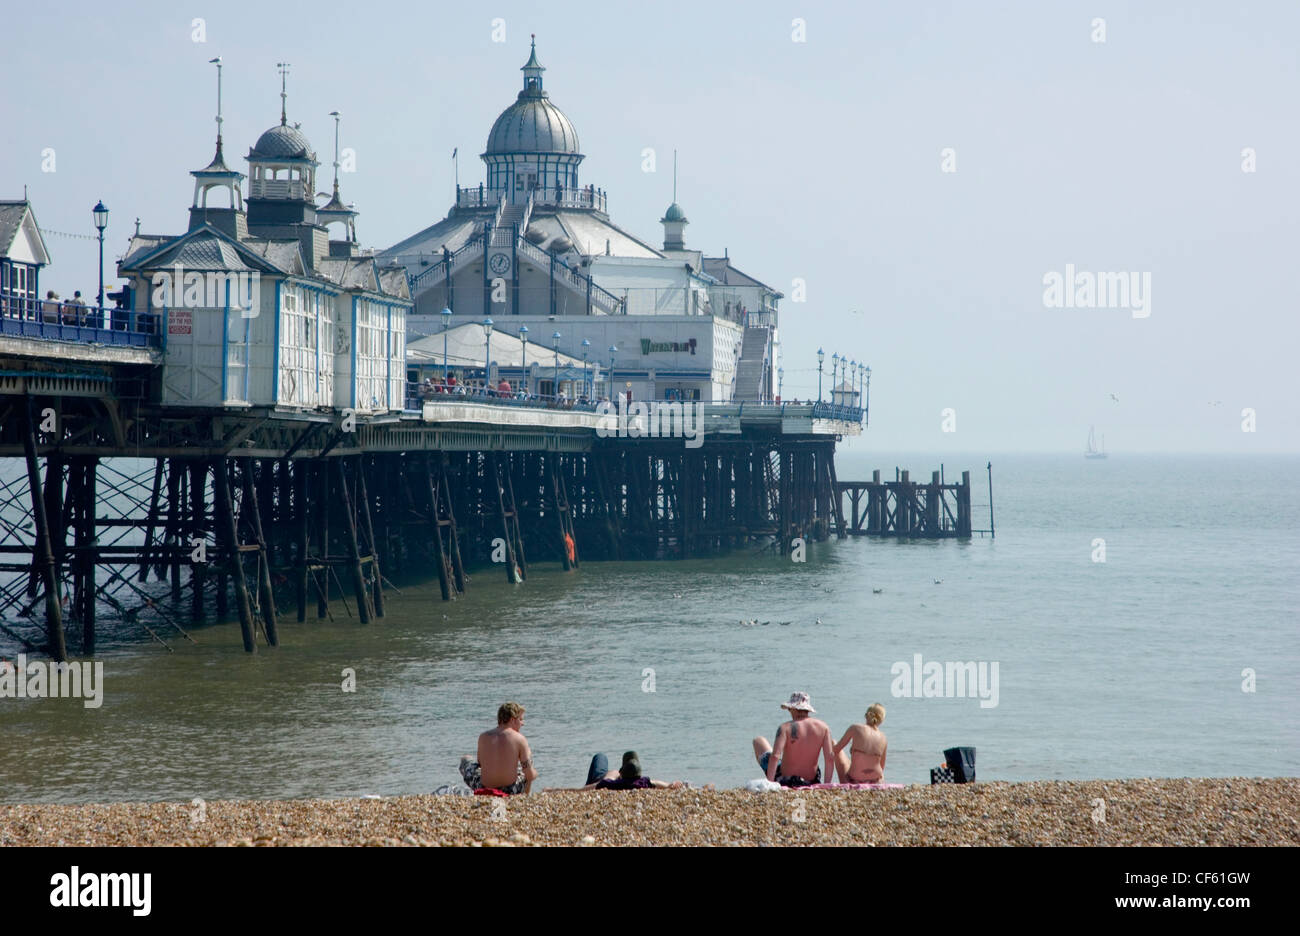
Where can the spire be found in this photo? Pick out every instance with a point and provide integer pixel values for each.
(337, 116)
(533, 69)
(217, 61)
(674, 176)
(284, 77)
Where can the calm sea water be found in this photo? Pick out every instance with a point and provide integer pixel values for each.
(1131, 667)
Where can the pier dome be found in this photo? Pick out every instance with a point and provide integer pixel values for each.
(282, 142)
(532, 149)
(532, 125)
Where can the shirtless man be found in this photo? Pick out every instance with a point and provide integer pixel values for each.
(867, 764)
(505, 762)
(799, 742)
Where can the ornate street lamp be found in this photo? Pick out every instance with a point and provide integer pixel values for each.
(523, 361)
(780, 383)
(612, 351)
(101, 222)
(555, 384)
(586, 345)
(487, 359)
(852, 375)
(446, 322)
(821, 356)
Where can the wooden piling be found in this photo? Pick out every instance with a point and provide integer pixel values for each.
(265, 597)
(197, 530)
(436, 522)
(367, 528)
(350, 541)
(45, 556)
(301, 469)
(225, 515)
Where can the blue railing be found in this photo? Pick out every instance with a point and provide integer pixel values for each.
(839, 411)
(53, 320)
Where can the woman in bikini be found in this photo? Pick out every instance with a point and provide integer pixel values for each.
(869, 746)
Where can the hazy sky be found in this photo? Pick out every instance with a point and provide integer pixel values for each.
(819, 159)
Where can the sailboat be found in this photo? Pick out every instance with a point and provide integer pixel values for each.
(1093, 451)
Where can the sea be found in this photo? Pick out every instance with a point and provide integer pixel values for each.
(1132, 617)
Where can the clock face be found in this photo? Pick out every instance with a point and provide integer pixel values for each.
(499, 263)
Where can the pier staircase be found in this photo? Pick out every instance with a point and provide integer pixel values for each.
(752, 365)
(510, 220)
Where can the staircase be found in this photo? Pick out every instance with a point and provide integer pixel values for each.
(503, 235)
(750, 367)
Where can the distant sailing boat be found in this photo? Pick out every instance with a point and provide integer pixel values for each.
(1093, 451)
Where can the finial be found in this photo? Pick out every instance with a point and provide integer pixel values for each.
(337, 116)
(137, 227)
(217, 62)
(284, 76)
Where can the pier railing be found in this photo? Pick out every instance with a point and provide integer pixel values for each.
(585, 197)
(52, 319)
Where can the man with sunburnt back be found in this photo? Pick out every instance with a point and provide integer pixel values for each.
(505, 762)
(799, 742)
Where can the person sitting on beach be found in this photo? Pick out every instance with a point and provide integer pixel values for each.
(627, 777)
(799, 742)
(869, 747)
(505, 762)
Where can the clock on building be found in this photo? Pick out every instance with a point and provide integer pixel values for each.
(499, 263)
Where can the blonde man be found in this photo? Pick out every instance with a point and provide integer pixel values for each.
(865, 761)
(505, 761)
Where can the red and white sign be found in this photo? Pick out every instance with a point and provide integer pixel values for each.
(179, 321)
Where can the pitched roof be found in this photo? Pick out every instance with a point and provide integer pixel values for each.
(720, 268)
(202, 249)
(14, 216)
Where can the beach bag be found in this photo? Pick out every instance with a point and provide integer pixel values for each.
(942, 774)
(961, 761)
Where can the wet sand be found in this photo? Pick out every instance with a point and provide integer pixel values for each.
(1136, 812)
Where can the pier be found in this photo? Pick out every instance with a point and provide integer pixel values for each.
(166, 516)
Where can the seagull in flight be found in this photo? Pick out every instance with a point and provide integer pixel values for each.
(1115, 398)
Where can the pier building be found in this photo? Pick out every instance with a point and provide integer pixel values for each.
(535, 245)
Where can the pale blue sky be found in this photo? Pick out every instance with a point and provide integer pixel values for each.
(818, 160)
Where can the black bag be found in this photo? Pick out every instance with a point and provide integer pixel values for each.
(941, 775)
(961, 761)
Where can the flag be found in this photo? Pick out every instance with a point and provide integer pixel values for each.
(453, 151)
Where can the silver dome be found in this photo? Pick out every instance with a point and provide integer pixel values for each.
(532, 125)
(282, 142)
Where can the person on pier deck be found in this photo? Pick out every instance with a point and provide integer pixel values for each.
(799, 742)
(505, 761)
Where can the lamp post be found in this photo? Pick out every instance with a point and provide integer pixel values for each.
(821, 356)
(835, 367)
(101, 222)
(866, 390)
(586, 345)
(487, 358)
(780, 383)
(446, 322)
(852, 375)
(612, 351)
(523, 361)
(555, 383)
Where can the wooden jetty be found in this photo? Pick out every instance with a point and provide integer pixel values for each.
(906, 508)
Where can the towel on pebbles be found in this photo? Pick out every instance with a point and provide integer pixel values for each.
(453, 789)
(762, 785)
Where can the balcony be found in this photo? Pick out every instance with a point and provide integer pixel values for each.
(27, 317)
(585, 197)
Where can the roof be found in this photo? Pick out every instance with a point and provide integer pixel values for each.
(532, 124)
(16, 216)
(720, 268)
(451, 232)
(282, 142)
(588, 233)
(467, 346)
(203, 249)
(218, 166)
(350, 272)
(674, 213)
(284, 253)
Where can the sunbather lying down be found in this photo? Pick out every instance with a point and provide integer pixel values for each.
(627, 777)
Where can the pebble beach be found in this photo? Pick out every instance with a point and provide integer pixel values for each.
(1174, 812)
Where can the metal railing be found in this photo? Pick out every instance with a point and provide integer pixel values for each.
(417, 395)
(50, 319)
(586, 197)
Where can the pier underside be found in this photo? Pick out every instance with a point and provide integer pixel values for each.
(165, 519)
